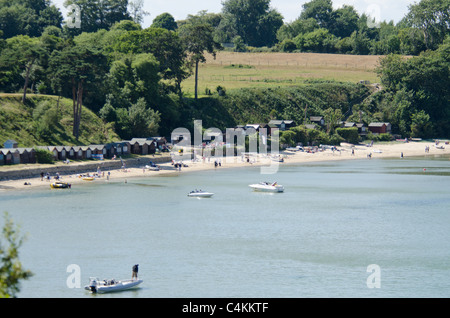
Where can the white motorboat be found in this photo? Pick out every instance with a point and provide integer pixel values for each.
(107, 286)
(267, 187)
(200, 194)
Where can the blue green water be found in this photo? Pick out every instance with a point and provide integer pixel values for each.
(316, 239)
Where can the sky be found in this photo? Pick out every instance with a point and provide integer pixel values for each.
(381, 10)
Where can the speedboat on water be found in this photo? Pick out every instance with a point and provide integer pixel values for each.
(200, 194)
(267, 187)
(107, 286)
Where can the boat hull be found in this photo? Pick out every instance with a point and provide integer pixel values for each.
(200, 195)
(267, 188)
(101, 287)
(59, 185)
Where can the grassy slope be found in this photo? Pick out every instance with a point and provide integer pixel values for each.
(17, 122)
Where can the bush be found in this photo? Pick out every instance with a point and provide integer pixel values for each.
(334, 140)
(288, 137)
(43, 156)
(349, 134)
(379, 137)
(287, 45)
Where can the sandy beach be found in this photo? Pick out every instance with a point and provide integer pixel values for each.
(343, 152)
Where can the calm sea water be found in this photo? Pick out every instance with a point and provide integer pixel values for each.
(316, 239)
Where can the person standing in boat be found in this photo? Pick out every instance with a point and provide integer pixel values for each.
(135, 271)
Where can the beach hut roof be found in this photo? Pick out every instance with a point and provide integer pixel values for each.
(377, 124)
(280, 121)
(96, 147)
(6, 151)
(23, 150)
(141, 141)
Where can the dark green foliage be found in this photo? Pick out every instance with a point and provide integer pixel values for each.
(254, 21)
(165, 21)
(43, 156)
(28, 17)
(420, 85)
(100, 14)
(349, 134)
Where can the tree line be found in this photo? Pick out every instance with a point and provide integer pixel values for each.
(132, 77)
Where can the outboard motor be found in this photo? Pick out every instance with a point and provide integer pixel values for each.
(93, 286)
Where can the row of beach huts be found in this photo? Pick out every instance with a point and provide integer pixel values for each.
(317, 122)
(12, 154)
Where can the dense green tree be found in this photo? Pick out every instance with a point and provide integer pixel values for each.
(344, 21)
(411, 41)
(133, 77)
(80, 68)
(421, 126)
(26, 17)
(320, 40)
(253, 20)
(320, 10)
(22, 53)
(165, 21)
(298, 26)
(126, 25)
(99, 14)
(198, 39)
(166, 46)
(144, 121)
(426, 78)
(432, 18)
(360, 43)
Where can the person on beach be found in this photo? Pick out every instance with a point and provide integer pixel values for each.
(135, 272)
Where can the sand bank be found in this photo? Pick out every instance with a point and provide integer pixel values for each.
(344, 152)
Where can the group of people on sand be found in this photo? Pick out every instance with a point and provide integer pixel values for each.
(47, 176)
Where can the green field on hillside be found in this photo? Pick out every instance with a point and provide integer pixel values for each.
(233, 70)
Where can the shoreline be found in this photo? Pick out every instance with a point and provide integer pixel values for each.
(344, 152)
